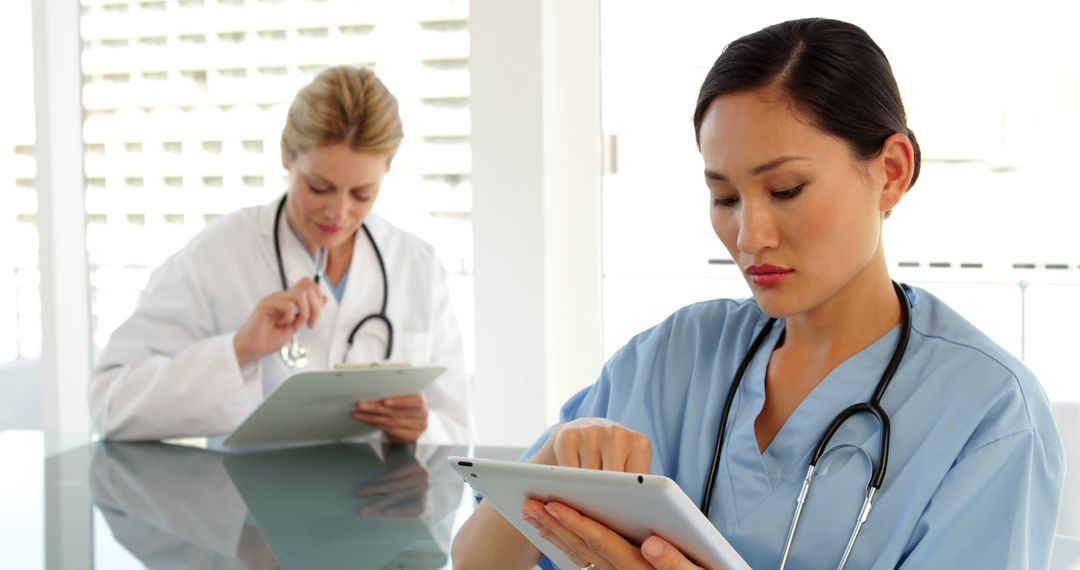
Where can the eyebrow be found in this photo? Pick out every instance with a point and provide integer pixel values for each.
(314, 177)
(757, 170)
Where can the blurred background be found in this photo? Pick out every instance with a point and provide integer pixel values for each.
(182, 103)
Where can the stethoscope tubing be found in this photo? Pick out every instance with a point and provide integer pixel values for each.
(871, 407)
(722, 430)
(379, 316)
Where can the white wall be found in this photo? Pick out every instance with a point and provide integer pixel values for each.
(65, 315)
(536, 210)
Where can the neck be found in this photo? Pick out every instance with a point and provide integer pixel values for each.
(850, 321)
(340, 258)
(340, 255)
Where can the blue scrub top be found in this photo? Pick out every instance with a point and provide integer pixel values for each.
(975, 464)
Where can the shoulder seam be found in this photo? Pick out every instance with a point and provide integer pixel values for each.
(996, 440)
(1016, 379)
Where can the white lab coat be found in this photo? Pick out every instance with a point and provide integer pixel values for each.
(171, 370)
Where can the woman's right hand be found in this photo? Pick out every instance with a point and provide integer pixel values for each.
(590, 443)
(276, 319)
(487, 540)
(596, 443)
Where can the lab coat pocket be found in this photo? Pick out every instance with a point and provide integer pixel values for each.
(413, 347)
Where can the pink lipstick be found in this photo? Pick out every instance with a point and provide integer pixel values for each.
(766, 275)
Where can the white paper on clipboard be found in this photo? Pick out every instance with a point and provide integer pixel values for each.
(315, 406)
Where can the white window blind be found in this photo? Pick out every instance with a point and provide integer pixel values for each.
(185, 101)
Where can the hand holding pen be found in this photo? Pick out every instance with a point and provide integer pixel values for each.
(277, 318)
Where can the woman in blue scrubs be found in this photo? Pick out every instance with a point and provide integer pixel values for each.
(806, 150)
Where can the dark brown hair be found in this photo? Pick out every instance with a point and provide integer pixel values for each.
(831, 71)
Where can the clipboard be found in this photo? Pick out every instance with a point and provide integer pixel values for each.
(313, 407)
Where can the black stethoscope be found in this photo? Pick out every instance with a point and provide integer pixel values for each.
(379, 316)
(872, 407)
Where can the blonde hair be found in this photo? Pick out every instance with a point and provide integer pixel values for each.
(343, 105)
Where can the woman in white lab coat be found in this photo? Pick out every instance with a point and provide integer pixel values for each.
(204, 346)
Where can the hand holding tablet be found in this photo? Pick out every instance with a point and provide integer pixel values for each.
(633, 505)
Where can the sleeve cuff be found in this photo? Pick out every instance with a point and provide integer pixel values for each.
(250, 373)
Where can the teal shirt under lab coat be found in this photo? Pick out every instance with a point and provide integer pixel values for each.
(975, 468)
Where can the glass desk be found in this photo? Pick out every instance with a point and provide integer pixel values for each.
(68, 503)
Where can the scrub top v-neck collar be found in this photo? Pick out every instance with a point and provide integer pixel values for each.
(753, 476)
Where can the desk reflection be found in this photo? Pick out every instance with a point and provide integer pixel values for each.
(331, 506)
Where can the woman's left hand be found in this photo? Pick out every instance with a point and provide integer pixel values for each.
(587, 542)
(401, 418)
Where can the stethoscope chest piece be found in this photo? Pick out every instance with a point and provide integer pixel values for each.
(294, 354)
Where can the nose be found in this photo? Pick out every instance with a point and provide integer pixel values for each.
(335, 208)
(757, 228)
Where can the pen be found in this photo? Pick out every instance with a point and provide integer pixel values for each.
(321, 258)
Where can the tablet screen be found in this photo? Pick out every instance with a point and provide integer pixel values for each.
(636, 506)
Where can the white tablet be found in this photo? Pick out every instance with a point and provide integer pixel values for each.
(635, 506)
(315, 406)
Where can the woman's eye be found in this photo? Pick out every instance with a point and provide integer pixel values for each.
(318, 189)
(724, 202)
(362, 197)
(789, 193)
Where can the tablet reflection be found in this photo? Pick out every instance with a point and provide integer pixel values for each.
(331, 506)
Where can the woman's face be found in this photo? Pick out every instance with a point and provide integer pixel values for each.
(331, 190)
(796, 210)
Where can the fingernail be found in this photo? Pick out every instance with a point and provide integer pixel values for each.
(527, 517)
(653, 548)
(551, 511)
